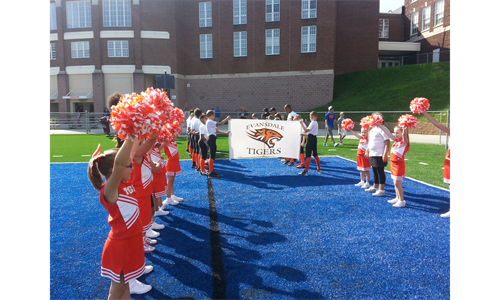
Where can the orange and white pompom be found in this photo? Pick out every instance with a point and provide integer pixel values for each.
(408, 121)
(419, 105)
(347, 124)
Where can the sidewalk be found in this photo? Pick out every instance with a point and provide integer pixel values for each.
(414, 138)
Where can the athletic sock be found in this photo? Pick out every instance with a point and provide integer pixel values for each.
(318, 165)
(211, 165)
(308, 161)
(302, 158)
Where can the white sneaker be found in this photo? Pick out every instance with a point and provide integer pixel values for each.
(366, 185)
(152, 234)
(393, 201)
(137, 287)
(148, 248)
(361, 183)
(169, 201)
(157, 226)
(400, 204)
(160, 212)
(446, 215)
(371, 190)
(379, 193)
(178, 199)
(148, 269)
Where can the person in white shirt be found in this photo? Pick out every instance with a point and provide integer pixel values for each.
(212, 137)
(189, 149)
(203, 144)
(195, 127)
(378, 151)
(312, 143)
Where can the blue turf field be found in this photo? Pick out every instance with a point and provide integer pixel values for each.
(264, 232)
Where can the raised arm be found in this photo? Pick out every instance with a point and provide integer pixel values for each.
(387, 131)
(122, 159)
(224, 121)
(436, 123)
(355, 134)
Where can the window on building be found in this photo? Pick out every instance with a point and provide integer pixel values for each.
(205, 14)
(78, 14)
(239, 12)
(308, 39)
(383, 28)
(206, 46)
(426, 18)
(80, 50)
(118, 49)
(439, 12)
(53, 20)
(272, 10)
(414, 23)
(272, 42)
(309, 10)
(117, 13)
(240, 44)
(52, 51)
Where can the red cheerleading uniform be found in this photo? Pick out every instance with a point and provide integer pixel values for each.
(159, 179)
(123, 250)
(173, 164)
(398, 152)
(447, 166)
(362, 161)
(142, 179)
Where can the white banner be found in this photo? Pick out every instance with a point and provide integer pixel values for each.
(255, 138)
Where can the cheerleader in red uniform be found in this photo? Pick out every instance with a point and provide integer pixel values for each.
(447, 157)
(123, 253)
(159, 183)
(363, 162)
(173, 168)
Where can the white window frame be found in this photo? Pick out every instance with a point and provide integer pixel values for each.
(273, 41)
(78, 14)
(308, 39)
(206, 50)
(308, 11)
(272, 10)
(116, 13)
(53, 19)
(240, 44)
(426, 18)
(205, 14)
(383, 28)
(414, 23)
(439, 12)
(52, 51)
(80, 49)
(118, 49)
(239, 12)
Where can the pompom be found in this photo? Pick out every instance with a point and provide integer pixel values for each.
(371, 121)
(134, 116)
(162, 105)
(419, 105)
(165, 136)
(364, 122)
(408, 121)
(347, 124)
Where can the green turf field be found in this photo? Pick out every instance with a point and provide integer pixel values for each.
(424, 161)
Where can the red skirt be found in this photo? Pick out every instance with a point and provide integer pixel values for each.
(145, 212)
(447, 167)
(173, 167)
(125, 256)
(398, 170)
(159, 183)
(363, 163)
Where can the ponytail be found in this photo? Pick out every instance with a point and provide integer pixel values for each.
(101, 166)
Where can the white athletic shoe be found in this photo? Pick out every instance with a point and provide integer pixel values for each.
(366, 185)
(393, 201)
(361, 183)
(371, 190)
(148, 269)
(160, 212)
(157, 226)
(178, 199)
(446, 215)
(169, 201)
(379, 193)
(152, 234)
(137, 287)
(400, 204)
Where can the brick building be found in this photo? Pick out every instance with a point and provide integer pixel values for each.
(230, 54)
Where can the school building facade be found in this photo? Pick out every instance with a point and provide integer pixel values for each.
(222, 53)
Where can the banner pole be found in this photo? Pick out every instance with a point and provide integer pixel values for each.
(229, 137)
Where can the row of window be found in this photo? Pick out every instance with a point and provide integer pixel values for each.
(426, 17)
(308, 42)
(82, 49)
(121, 48)
(116, 13)
(309, 11)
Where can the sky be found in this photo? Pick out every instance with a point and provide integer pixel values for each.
(386, 5)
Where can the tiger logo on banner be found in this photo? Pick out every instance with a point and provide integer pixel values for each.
(257, 138)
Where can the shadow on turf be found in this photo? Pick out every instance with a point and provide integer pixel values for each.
(241, 259)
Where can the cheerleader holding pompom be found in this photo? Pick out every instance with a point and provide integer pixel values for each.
(123, 253)
(363, 163)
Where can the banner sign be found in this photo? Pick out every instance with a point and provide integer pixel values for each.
(256, 138)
